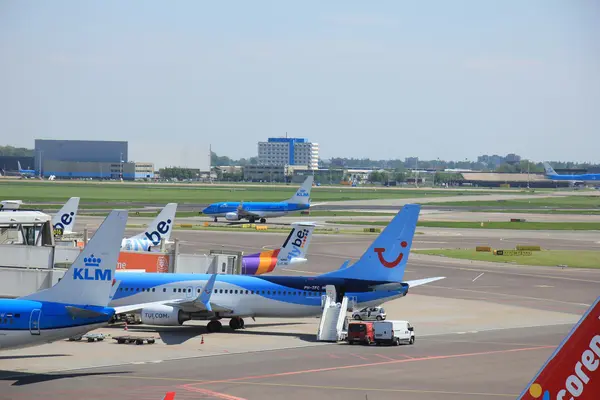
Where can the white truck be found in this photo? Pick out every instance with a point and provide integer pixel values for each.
(393, 332)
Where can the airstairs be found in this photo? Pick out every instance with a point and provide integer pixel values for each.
(333, 319)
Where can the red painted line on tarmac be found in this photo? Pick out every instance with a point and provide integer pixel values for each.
(211, 393)
(385, 357)
(357, 356)
(308, 371)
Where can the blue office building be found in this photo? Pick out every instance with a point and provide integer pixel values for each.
(289, 151)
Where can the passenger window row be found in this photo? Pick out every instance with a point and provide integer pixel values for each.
(8, 319)
(231, 291)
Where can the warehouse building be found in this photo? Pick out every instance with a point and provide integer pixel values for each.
(88, 159)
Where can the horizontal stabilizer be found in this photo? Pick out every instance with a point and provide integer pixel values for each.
(420, 282)
(77, 312)
(345, 264)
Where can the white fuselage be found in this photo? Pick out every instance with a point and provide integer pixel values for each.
(274, 303)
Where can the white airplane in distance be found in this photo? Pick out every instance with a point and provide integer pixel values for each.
(77, 303)
(157, 230)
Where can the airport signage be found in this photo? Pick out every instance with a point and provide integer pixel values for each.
(146, 261)
(511, 253)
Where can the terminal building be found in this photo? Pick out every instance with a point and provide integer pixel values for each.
(88, 159)
(288, 152)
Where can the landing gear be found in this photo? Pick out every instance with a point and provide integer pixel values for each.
(252, 220)
(236, 323)
(214, 326)
(215, 219)
(263, 220)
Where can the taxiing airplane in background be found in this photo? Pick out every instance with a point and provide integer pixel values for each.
(160, 228)
(254, 210)
(551, 174)
(573, 370)
(64, 220)
(25, 172)
(77, 303)
(292, 252)
(172, 299)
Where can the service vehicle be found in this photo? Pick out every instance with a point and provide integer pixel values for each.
(369, 314)
(360, 332)
(393, 332)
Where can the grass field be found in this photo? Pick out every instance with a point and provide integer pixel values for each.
(567, 226)
(585, 202)
(571, 258)
(40, 192)
(542, 211)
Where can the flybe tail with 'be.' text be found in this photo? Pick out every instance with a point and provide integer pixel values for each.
(160, 228)
(89, 280)
(64, 220)
(573, 370)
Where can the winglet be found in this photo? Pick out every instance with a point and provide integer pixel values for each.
(169, 396)
(207, 292)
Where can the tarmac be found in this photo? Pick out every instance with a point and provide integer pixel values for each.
(482, 332)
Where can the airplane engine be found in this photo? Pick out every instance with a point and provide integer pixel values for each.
(232, 216)
(164, 315)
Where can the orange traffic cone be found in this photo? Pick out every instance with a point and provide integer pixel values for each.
(202, 342)
(125, 329)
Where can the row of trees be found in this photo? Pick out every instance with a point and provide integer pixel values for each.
(15, 151)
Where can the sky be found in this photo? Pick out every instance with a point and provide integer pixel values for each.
(384, 80)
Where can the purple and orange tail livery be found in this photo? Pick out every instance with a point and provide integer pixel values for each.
(260, 263)
(573, 370)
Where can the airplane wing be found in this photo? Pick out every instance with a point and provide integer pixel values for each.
(419, 282)
(200, 303)
(244, 213)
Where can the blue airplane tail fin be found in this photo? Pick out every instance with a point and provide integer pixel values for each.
(549, 170)
(386, 258)
(90, 278)
(302, 195)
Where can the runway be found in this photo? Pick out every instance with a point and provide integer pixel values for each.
(482, 333)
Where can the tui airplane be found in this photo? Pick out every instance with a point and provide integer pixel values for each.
(171, 299)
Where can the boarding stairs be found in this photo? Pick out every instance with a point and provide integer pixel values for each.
(334, 318)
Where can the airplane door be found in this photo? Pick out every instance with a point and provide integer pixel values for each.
(189, 292)
(34, 322)
(330, 291)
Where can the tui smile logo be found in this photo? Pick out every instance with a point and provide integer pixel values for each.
(390, 264)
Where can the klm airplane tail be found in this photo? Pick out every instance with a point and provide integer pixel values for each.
(19, 166)
(64, 220)
(386, 258)
(161, 227)
(549, 170)
(302, 195)
(89, 280)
